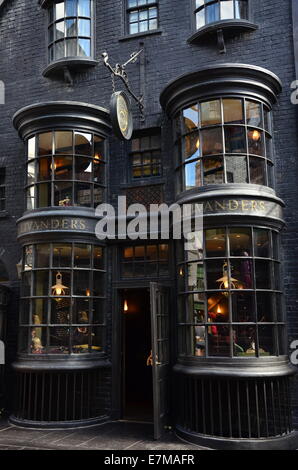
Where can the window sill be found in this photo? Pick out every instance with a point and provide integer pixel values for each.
(140, 35)
(75, 64)
(233, 26)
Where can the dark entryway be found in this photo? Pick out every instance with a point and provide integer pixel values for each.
(136, 374)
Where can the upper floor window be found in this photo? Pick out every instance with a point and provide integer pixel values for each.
(2, 189)
(70, 29)
(146, 156)
(210, 11)
(226, 140)
(142, 15)
(65, 168)
(145, 261)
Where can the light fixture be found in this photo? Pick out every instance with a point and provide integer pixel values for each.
(256, 135)
(88, 292)
(125, 308)
(224, 280)
(181, 272)
(59, 288)
(198, 144)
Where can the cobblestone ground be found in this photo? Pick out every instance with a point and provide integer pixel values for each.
(109, 436)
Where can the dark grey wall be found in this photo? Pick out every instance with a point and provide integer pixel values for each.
(167, 55)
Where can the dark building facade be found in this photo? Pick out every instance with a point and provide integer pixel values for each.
(197, 338)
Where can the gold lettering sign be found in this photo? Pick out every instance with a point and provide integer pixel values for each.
(45, 225)
(243, 206)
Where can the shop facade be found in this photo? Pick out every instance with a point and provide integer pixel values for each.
(150, 329)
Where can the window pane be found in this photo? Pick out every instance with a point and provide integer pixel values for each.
(83, 169)
(243, 307)
(32, 147)
(26, 284)
(262, 243)
(63, 142)
(255, 142)
(59, 50)
(267, 346)
(82, 194)
(226, 9)
(241, 9)
(213, 170)
(267, 119)
(265, 307)
(59, 340)
(257, 171)
(190, 118)
(39, 311)
(81, 283)
(61, 255)
(98, 283)
(241, 274)
(71, 47)
(98, 195)
(244, 338)
(63, 168)
(44, 169)
(212, 13)
(59, 11)
(253, 113)
(31, 173)
(63, 194)
(235, 140)
(98, 311)
(59, 30)
(82, 256)
(61, 284)
(237, 171)
(133, 28)
(71, 8)
(200, 341)
(212, 141)
(210, 112)
(42, 256)
(41, 283)
(44, 195)
(84, 47)
(233, 110)
(71, 28)
(38, 340)
(80, 312)
(217, 274)
(193, 175)
(31, 197)
(98, 258)
(84, 28)
(200, 18)
(84, 8)
(219, 341)
(240, 242)
(191, 146)
(263, 274)
(195, 276)
(215, 243)
(44, 144)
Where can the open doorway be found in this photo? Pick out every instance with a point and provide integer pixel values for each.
(136, 374)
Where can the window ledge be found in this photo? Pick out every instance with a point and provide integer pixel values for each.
(127, 37)
(71, 63)
(233, 26)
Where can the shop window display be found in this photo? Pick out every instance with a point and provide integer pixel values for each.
(230, 302)
(62, 305)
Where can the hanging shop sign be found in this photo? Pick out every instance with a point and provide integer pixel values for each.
(121, 115)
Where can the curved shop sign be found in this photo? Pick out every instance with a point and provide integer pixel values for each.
(243, 206)
(56, 224)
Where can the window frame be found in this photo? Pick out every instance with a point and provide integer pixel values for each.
(52, 180)
(195, 10)
(138, 8)
(52, 23)
(180, 162)
(71, 296)
(151, 149)
(277, 324)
